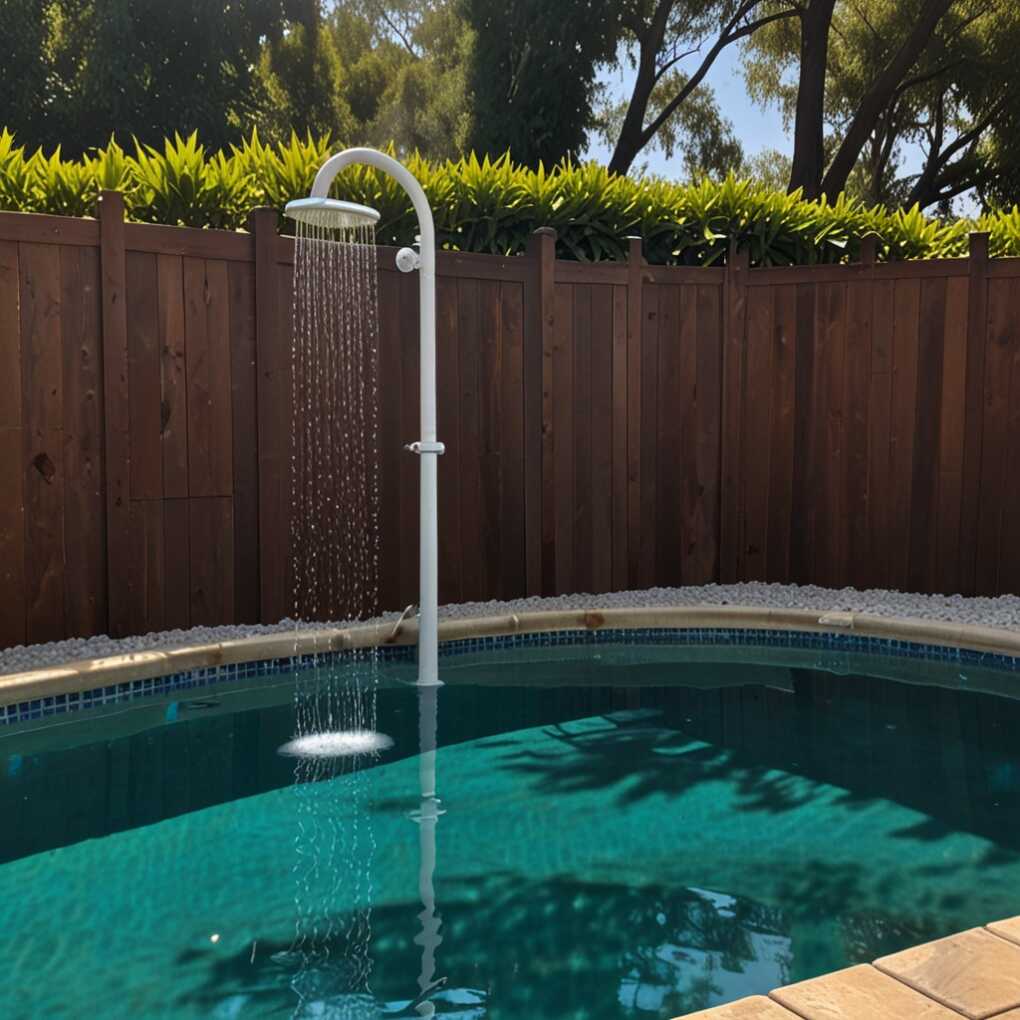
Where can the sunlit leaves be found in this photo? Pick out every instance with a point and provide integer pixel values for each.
(491, 205)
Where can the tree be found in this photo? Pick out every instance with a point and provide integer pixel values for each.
(532, 74)
(949, 63)
(23, 80)
(135, 67)
(303, 84)
(809, 123)
(660, 34)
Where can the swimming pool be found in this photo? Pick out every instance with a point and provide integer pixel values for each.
(629, 831)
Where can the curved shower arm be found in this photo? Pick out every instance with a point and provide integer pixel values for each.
(388, 165)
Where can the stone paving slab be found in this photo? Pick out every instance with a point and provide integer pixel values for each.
(859, 993)
(976, 973)
(1006, 929)
(755, 1008)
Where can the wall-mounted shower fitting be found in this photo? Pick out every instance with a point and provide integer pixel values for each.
(408, 260)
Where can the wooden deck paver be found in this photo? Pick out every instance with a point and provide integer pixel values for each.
(859, 993)
(757, 1007)
(976, 973)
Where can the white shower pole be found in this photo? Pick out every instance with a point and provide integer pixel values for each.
(427, 448)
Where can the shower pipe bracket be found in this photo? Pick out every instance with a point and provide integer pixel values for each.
(419, 447)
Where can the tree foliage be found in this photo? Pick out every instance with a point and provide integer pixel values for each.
(490, 206)
(532, 74)
(953, 103)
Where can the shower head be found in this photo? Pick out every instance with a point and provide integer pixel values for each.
(330, 212)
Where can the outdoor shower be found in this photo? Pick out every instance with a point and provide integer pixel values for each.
(320, 210)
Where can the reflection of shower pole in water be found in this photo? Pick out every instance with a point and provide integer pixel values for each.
(427, 817)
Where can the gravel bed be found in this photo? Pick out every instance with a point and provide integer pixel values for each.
(1003, 611)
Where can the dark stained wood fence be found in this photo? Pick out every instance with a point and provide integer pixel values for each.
(607, 426)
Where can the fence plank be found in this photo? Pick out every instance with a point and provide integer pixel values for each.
(272, 327)
(410, 429)
(85, 602)
(804, 506)
(782, 430)
(116, 410)
(149, 555)
(703, 565)
(173, 377)
(211, 560)
(635, 327)
(620, 426)
(512, 509)
(207, 325)
(756, 440)
(731, 539)
(977, 328)
(1009, 541)
(563, 438)
(674, 384)
(144, 389)
(177, 565)
(951, 438)
(880, 393)
(448, 400)
(924, 488)
(12, 537)
(42, 390)
(12, 517)
(648, 416)
(540, 312)
(391, 454)
(10, 336)
(245, 461)
(906, 324)
(490, 410)
(834, 332)
(602, 433)
(994, 447)
(580, 485)
(856, 493)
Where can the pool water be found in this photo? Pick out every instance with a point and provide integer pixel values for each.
(626, 833)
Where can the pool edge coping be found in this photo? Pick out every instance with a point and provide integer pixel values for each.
(81, 675)
(836, 989)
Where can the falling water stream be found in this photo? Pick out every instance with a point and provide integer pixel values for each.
(335, 562)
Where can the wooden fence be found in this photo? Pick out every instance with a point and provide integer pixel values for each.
(608, 426)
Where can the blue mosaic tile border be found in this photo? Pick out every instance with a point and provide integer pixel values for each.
(210, 676)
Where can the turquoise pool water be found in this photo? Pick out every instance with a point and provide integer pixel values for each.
(627, 833)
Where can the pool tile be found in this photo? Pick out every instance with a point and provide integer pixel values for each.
(755, 1008)
(1009, 930)
(859, 993)
(975, 973)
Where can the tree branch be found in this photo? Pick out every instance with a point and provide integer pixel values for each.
(879, 95)
(729, 35)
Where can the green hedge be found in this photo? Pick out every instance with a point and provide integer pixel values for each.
(490, 206)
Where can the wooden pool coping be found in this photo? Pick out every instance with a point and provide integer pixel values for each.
(975, 974)
(85, 674)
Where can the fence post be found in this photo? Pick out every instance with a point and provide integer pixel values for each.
(869, 251)
(116, 413)
(635, 314)
(731, 467)
(272, 368)
(973, 428)
(539, 505)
